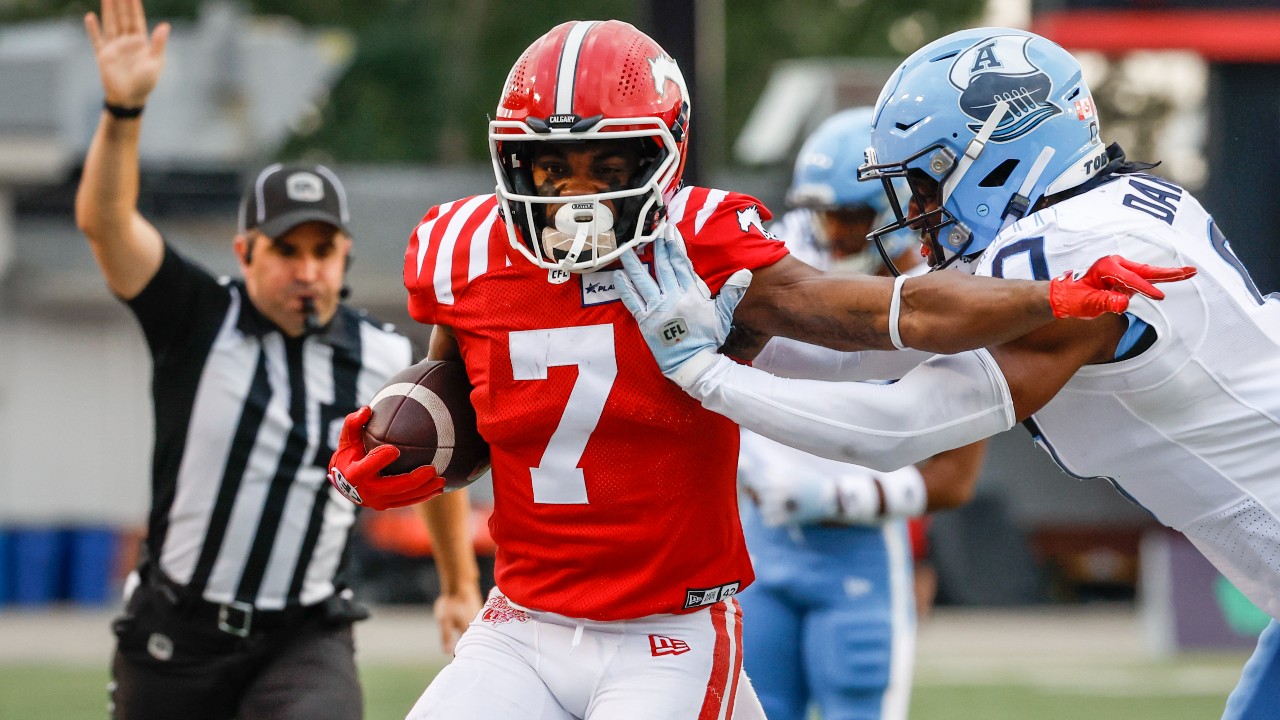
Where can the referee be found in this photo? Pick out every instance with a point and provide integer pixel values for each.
(235, 610)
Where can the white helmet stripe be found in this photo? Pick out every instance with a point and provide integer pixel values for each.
(569, 66)
(974, 148)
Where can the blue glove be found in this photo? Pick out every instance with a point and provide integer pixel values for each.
(680, 321)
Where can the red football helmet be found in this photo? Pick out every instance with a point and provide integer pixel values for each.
(589, 81)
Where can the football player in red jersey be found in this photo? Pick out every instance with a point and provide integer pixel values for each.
(615, 515)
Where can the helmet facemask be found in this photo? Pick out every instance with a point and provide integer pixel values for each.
(585, 233)
(946, 238)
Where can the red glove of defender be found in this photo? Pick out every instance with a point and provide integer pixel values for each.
(1107, 286)
(355, 474)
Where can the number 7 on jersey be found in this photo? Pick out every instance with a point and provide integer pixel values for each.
(558, 479)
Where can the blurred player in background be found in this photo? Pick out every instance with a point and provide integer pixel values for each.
(832, 213)
(832, 612)
(620, 549)
(236, 609)
(1176, 403)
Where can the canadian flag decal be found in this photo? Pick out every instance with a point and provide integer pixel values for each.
(660, 645)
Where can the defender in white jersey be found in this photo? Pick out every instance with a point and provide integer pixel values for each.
(1177, 403)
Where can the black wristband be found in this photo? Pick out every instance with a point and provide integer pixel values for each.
(121, 112)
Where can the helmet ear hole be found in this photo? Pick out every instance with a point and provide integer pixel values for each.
(1000, 175)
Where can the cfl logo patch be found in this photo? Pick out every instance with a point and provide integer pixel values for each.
(673, 331)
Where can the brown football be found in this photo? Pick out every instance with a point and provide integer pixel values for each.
(425, 411)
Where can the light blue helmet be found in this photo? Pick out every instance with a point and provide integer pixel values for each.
(826, 174)
(826, 178)
(999, 118)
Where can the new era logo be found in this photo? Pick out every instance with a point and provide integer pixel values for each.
(344, 486)
(661, 645)
(699, 597)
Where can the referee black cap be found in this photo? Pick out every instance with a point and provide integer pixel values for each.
(285, 196)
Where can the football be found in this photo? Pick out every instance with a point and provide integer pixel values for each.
(425, 411)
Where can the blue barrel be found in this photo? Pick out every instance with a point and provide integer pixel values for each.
(6, 566)
(38, 563)
(92, 561)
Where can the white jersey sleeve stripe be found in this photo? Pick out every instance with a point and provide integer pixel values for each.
(443, 277)
(480, 247)
(714, 198)
(424, 234)
(675, 211)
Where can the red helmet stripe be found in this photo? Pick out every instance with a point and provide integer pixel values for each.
(568, 71)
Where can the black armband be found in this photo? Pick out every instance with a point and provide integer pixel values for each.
(121, 112)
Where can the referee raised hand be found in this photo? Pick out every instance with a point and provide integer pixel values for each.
(237, 609)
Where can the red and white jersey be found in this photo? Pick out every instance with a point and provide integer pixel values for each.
(614, 491)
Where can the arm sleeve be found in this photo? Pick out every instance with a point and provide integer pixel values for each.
(789, 358)
(949, 401)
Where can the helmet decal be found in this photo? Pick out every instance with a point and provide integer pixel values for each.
(663, 68)
(998, 69)
(569, 66)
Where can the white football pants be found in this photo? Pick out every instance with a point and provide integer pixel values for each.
(513, 663)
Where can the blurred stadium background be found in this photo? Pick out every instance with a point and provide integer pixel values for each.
(1057, 598)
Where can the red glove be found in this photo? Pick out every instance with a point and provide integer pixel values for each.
(356, 474)
(1107, 286)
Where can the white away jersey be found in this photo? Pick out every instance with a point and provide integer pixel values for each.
(1190, 428)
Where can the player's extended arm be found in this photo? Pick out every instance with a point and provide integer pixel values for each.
(127, 247)
(785, 357)
(948, 401)
(936, 312)
(448, 519)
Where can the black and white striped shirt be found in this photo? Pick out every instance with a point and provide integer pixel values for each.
(246, 421)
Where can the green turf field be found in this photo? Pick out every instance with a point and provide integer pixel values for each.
(1178, 690)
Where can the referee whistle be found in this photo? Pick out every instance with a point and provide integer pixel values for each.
(310, 321)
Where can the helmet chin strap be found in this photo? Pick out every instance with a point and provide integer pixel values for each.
(972, 152)
(1020, 203)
